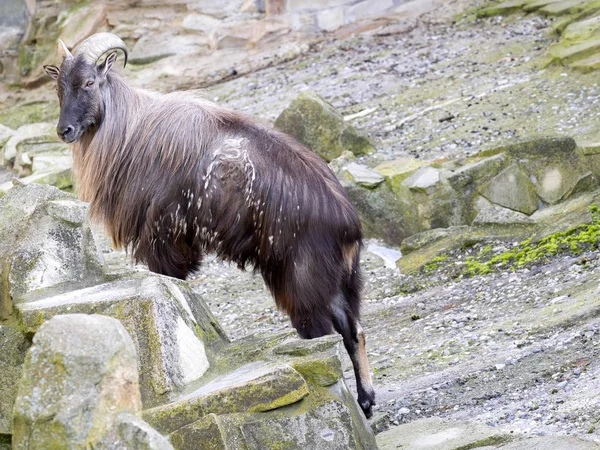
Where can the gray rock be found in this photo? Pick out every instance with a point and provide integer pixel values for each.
(57, 177)
(315, 123)
(477, 172)
(552, 443)
(511, 189)
(207, 430)
(555, 168)
(331, 19)
(200, 22)
(153, 47)
(420, 240)
(438, 434)
(496, 215)
(331, 423)
(326, 427)
(29, 140)
(136, 434)
(172, 328)
(5, 134)
(424, 180)
(299, 5)
(78, 376)
(255, 387)
(40, 247)
(14, 345)
(363, 176)
(367, 8)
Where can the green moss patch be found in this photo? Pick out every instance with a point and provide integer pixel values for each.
(575, 240)
(34, 112)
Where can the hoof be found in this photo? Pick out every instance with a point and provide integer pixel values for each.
(366, 404)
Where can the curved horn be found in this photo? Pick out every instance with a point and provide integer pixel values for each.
(98, 44)
(63, 51)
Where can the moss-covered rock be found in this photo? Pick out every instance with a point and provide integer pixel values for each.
(175, 335)
(207, 430)
(31, 112)
(569, 7)
(320, 369)
(577, 24)
(61, 178)
(398, 170)
(502, 8)
(315, 123)
(554, 166)
(496, 215)
(79, 374)
(14, 345)
(326, 419)
(256, 387)
(512, 189)
(39, 250)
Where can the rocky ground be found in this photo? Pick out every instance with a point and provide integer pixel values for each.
(516, 350)
(442, 85)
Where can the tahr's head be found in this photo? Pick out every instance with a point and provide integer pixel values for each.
(80, 79)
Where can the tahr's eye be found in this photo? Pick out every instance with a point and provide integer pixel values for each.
(89, 83)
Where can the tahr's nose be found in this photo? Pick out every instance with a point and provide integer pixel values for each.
(65, 132)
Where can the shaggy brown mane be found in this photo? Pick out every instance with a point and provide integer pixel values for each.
(175, 178)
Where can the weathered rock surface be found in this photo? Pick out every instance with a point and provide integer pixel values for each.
(174, 333)
(256, 387)
(14, 346)
(364, 176)
(316, 124)
(512, 189)
(502, 186)
(294, 388)
(437, 434)
(45, 242)
(79, 376)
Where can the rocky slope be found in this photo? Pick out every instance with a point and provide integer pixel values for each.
(514, 351)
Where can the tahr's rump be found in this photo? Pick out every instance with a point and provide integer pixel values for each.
(175, 178)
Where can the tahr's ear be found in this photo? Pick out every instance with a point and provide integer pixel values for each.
(52, 71)
(108, 63)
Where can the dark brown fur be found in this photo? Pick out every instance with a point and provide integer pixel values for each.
(174, 179)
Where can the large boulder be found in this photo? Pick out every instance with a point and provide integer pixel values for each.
(79, 388)
(315, 123)
(175, 334)
(45, 242)
(512, 189)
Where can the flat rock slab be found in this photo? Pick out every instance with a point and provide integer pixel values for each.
(172, 328)
(254, 387)
(327, 427)
(363, 176)
(438, 434)
(512, 189)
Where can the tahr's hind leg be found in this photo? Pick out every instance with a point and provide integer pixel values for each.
(354, 340)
